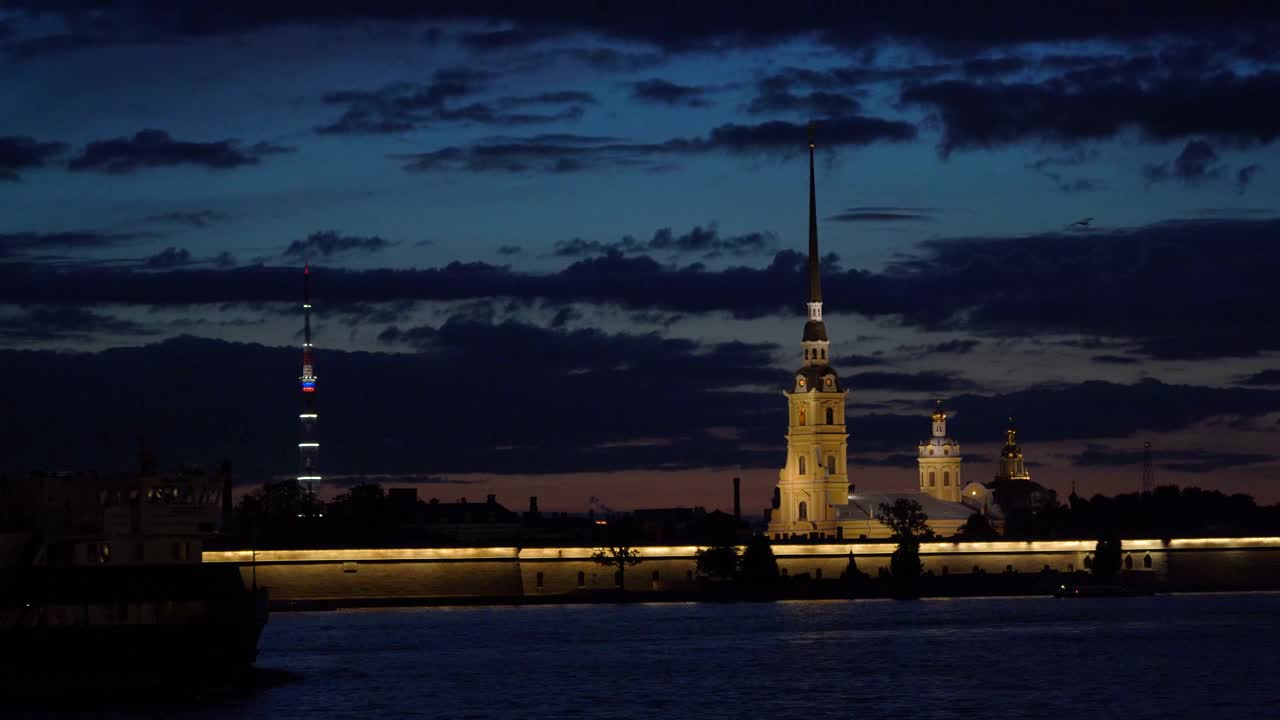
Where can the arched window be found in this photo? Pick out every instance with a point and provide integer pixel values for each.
(824, 353)
(806, 353)
(1146, 561)
(831, 464)
(802, 417)
(1088, 562)
(933, 480)
(831, 416)
(801, 464)
(802, 512)
(582, 579)
(946, 479)
(1128, 562)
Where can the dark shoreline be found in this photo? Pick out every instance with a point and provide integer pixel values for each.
(1012, 586)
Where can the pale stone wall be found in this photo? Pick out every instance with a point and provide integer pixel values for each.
(507, 572)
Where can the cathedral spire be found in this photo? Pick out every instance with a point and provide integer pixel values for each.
(815, 279)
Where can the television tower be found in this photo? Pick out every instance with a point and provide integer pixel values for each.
(1148, 474)
(308, 439)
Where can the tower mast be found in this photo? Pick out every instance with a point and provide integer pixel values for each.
(1148, 472)
(308, 438)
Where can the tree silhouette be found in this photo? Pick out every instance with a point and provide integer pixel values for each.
(759, 566)
(718, 561)
(977, 529)
(1106, 557)
(619, 557)
(906, 520)
(908, 524)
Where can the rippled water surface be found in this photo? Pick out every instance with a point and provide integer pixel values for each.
(1192, 656)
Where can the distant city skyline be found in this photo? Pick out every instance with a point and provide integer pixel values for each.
(563, 255)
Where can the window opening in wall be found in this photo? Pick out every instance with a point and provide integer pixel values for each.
(688, 576)
(617, 578)
(932, 480)
(1128, 562)
(831, 416)
(655, 576)
(802, 416)
(831, 464)
(802, 465)
(1088, 562)
(803, 511)
(582, 579)
(539, 581)
(1146, 561)
(946, 479)
(817, 573)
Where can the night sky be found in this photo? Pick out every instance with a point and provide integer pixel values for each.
(557, 247)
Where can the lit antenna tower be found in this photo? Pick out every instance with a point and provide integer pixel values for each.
(1148, 474)
(308, 439)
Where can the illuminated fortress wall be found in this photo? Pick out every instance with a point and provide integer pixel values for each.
(389, 574)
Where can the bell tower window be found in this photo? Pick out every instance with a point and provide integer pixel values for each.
(831, 464)
(802, 417)
(831, 416)
(802, 512)
(801, 458)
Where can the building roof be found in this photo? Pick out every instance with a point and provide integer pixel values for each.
(862, 506)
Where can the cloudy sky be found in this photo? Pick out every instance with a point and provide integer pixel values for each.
(557, 246)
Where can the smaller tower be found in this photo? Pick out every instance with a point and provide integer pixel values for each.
(1148, 473)
(1011, 466)
(939, 461)
(308, 438)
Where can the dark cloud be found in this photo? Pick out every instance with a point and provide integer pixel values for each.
(33, 244)
(953, 347)
(949, 29)
(25, 153)
(666, 92)
(154, 148)
(549, 153)
(986, 67)
(1263, 377)
(925, 381)
(54, 323)
(1115, 360)
(328, 243)
(509, 250)
(1196, 162)
(402, 107)
(189, 218)
(1190, 460)
(167, 259)
(705, 242)
(1238, 109)
(884, 214)
(1050, 166)
(1191, 289)
(1245, 175)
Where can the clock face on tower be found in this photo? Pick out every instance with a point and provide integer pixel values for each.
(799, 382)
(829, 382)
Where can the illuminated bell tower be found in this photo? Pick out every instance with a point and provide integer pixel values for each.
(939, 461)
(815, 478)
(1011, 464)
(308, 438)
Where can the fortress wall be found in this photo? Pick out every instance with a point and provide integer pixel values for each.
(382, 574)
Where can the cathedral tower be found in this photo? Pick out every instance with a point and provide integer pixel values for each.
(940, 461)
(1011, 465)
(815, 478)
(308, 438)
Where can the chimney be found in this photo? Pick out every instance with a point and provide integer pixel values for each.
(533, 504)
(737, 498)
(492, 500)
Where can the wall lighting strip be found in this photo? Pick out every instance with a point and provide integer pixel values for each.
(308, 444)
(307, 415)
(309, 477)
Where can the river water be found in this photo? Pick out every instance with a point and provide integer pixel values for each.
(1185, 656)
